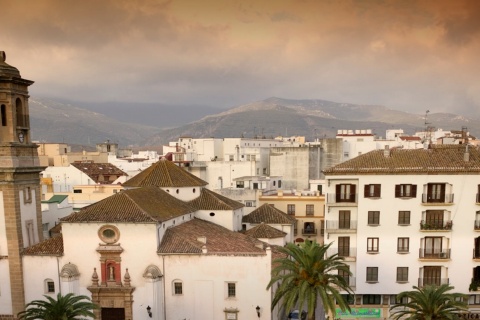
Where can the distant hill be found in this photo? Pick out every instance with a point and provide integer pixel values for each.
(311, 118)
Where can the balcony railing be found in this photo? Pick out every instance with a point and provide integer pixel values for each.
(432, 281)
(343, 252)
(436, 225)
(342, 198)
(434, 254)
(341, 225)
(436, 198)
(352, 281)
(309, 231)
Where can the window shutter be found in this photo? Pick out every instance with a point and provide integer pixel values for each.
(366, 190)
(377, 190)
(397, 191)
(414, 190)
(337, 193)
(353, 192)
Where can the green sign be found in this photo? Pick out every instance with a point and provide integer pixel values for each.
(358, 313)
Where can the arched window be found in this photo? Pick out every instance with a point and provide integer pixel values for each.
(49, 286)
(20, 114)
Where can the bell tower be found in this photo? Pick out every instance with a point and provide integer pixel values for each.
(20, 196)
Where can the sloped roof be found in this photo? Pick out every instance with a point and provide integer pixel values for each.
(184, 238)
(148, 204)
(49, 247)
(164, 173)
(94, 170)
(209, 200)
(268, 214)
(448, 159)
(56, 199)
(264, 231)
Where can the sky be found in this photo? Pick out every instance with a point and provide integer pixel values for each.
(407, 55)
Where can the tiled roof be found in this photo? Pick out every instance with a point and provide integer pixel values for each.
(49, 247)
(94, 170)
(148, 204)
(264, 231)
(186, 238)
(56, 199)
(268, 214)
(164, 173)
(438, 159)
(209, 200)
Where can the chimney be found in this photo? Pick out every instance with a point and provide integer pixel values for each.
(466, 155)
(386, 151)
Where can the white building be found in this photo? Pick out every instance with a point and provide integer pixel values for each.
(53, 209)
(404, 218)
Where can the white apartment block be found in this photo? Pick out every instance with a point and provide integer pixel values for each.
(404, 218)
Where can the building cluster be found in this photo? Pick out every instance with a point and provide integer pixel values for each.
(193, 234)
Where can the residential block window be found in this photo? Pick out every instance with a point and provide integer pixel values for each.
(309, 210)
(372, 274)
(372, 299)
(402, 274)
(372, 191)
(343, 246)
(178, 288)
(403, 217)
(403, 245)
(49, 286)
(344, 219)
(372, 244)
(231, 290)
(405, 191)
(345, 193)
(290, 209)
(373, 218)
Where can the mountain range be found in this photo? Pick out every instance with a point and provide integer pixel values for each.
(55, 121)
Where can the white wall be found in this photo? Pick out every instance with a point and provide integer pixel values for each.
(65, 178)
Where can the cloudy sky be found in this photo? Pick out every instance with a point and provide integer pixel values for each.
(410, 55)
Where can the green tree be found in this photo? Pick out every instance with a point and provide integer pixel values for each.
(430, 302)
(306, 274)
(66, 307)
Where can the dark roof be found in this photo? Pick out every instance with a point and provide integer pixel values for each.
(209, 200)
(56, 199)
(448, 159)
(95, 170)
(164, 173)
(268, 214)
(265, 231)
(49, 247)
(148, 204)
(186, 238)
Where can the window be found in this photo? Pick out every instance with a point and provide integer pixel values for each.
(474, 299)
(309, 209)
(434, 219)
(402, 274)
(372, 191)
(343, 246)
(345, 193)
(279, 184)
(345, 274)
(372, 244)
(432, 275)
(309, 228)
(264, 170)
(372, 274)
(348, 298)
(77, 191)
(27, 195)
(372, 299)
(240, 184)
(230, 157)
(405, 191)
(250, 203)
(290, 209)
(344, 219)
(373, 218)
(320, 188)
(436, 192)
(178, 288)
(403, 245)
(404, 217)
(231, 290)
(49, 286)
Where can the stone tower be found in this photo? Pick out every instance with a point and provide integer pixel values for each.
(20, 212)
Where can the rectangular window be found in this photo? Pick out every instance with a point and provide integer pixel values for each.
(345, 274)
(403, 245)
(240, 184)
(373, 217)
(345, 193)
(372, 190)
(436, 192)
(50, 286)
(404, 217)
(372, 244)
(402, 274)
(344, 219)
(309, 209)
(230, 157)
(77, 191)
(343, 246)
(290, 209)
(178, 288)
(432, 275)
(405, 191)
(372, 274)
(231, 290)
(372, 299)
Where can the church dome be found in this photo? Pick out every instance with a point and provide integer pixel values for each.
(7, 70)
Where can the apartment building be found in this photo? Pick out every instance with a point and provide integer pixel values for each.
(404, 218)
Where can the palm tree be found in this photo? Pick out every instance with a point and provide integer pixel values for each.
(430, 302)
(64, 308)
(305, 274)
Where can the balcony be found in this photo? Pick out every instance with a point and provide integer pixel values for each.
(432, 281)
(341, 226)
(352, 282)
(437, 199)
(348, 252)
(342, 199)
(309, 232)
(434, 254)
(436, 225)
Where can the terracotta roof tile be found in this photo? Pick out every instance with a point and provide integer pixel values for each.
(268, 214)
(265, 231)
(95, 170)
(186, 238)
(164, 173)
(438, 159)
(148, 204)
(49, 247)
(209, 200)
